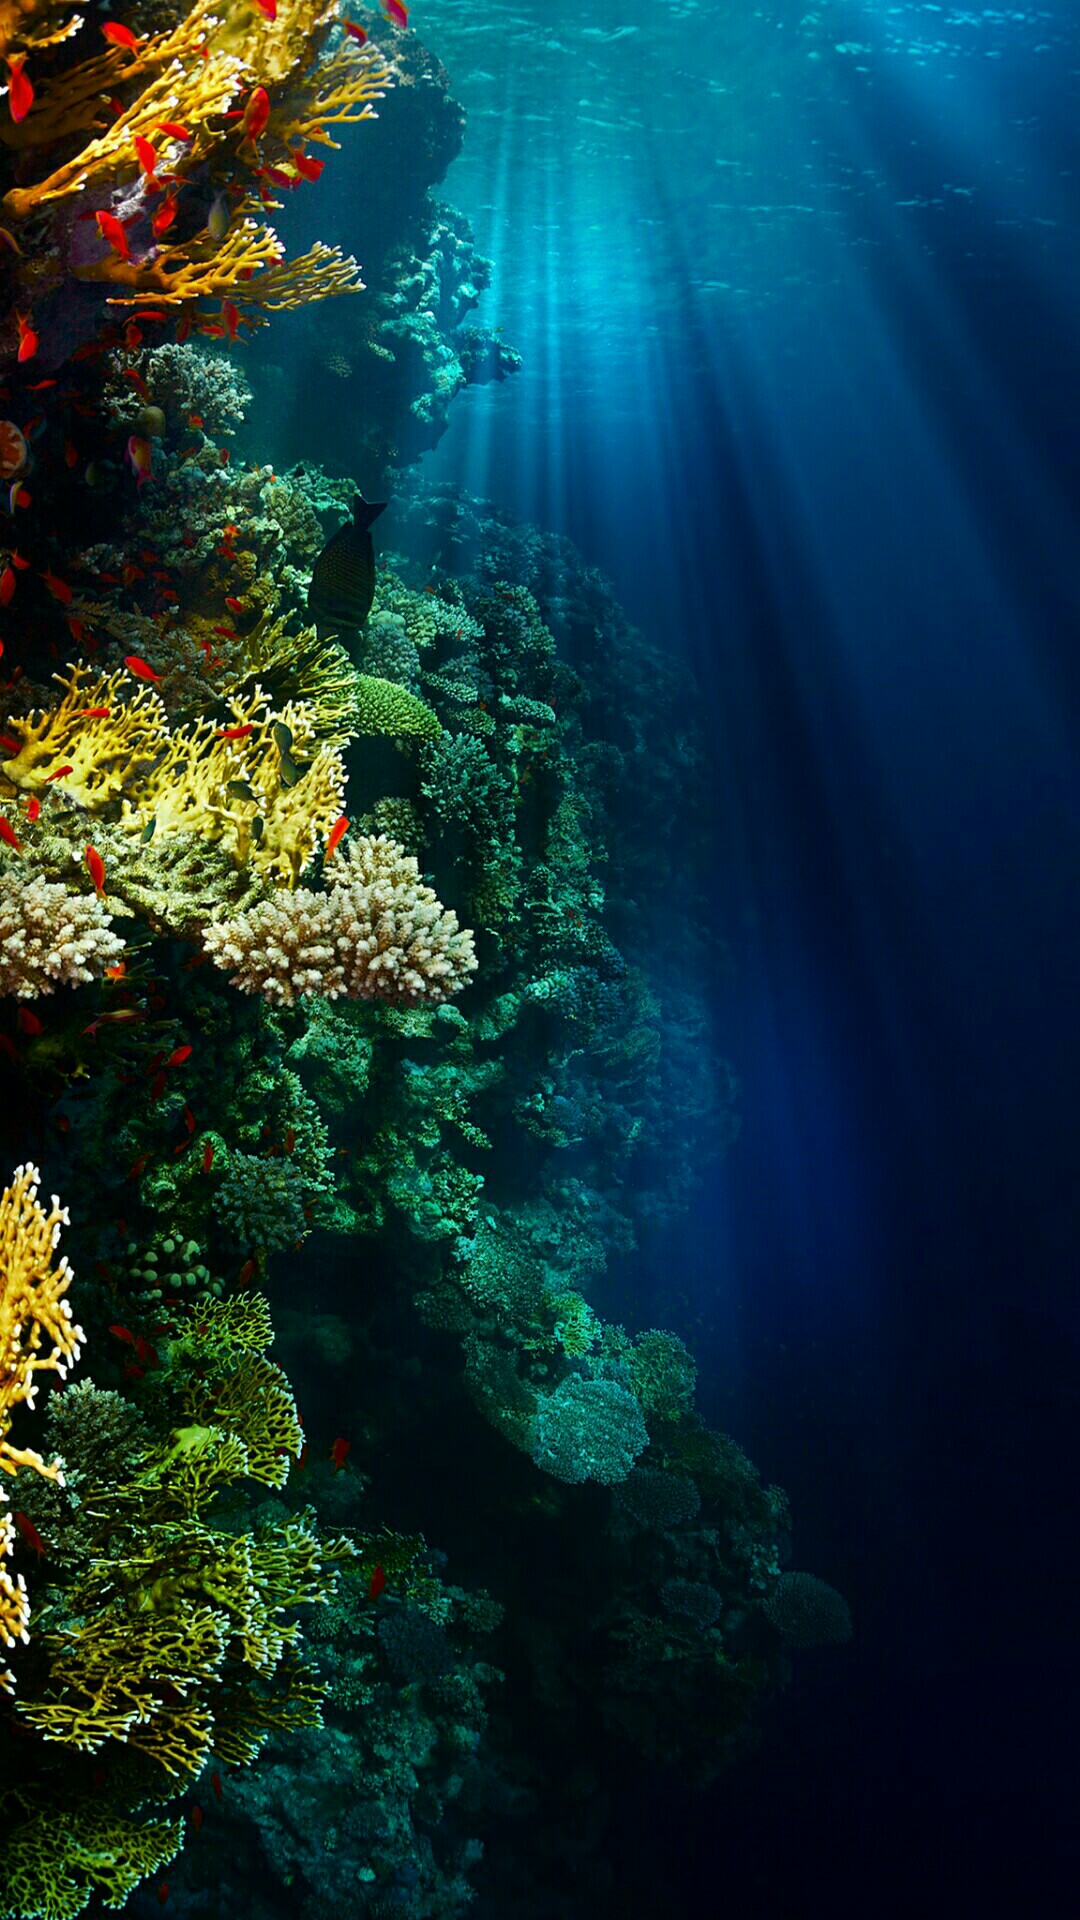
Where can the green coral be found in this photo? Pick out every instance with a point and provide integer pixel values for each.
(57, 1858)
(382, 706)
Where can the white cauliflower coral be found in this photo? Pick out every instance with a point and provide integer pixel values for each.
(51, 937)
(378, 934)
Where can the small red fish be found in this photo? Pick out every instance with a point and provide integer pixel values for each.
(121, 36)
(164, 217)
(94, 713)
(268, 8)
(10, 744)
(139, 667)
(146, 155)
(20, 91)
(394, 11)
(112, 231)
(337, 834)
(215, 1782)
(184, 326)
(234, 605)
(195, 420)
(231, 318)
(307, 166)
(246, 1273)
(178, 1056)
(7, 585)
(354, 31)
(174, 130)
(163, 1893)
(71, 454)
(33, 808)
(137, 382)
(196, 1817)
(257, 110)
(77, 630)
(124, 1333)
(157, 1085)
(376, 1583)
(290, 1139)
(60, 774)
(29, 1023)
(28, 340)
(8, 835)
(235, 733)
(117, 970)
(30, 1533)
(95, 867)
(339, 1454)
(57, 587)
(17, 560)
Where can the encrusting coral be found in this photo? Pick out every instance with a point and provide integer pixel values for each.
(378, 933)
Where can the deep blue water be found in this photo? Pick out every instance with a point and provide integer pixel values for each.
(819, 422)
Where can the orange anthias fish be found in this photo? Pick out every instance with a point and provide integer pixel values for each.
(235, 733)
(268, 8)
(146, 155)
(57, 587)
(28, 340)
(215, 1782)
(257, 111)
(7, 585)
(95, 867)
(112, 231)
(231, 318)
(20, 91)
(208, 1156)
(140, 456)
(178, 1056)
(164, 217)
(29, 1023)
(339, 1454)
(30, 1534)
(354, 32)
(8, 835)
(121, 36)
(376, 1583)
(139, 667)
(174, 130)
(196, 1816)
(33, 808)
(307, 166)
(394, 11)
(337, 834)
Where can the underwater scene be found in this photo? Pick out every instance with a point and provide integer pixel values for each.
(538, 839)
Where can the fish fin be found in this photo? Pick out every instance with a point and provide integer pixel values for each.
(365, 511)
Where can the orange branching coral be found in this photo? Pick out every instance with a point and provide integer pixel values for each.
(32, 1308)
(28, 23)
(339, 93)
(248, 268)
(74, 99)
(206, 89)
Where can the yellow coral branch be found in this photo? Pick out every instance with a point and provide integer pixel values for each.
(195, 94)
(339, 93)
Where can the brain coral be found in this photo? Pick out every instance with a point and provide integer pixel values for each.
(378, 934)
(589, 1430)
(50, 937)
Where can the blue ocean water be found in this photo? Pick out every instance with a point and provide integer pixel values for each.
(796, 291)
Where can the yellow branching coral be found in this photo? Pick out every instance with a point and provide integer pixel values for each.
(340, 93)
(59, 1854)
(255, 1403)
(73, 99)
(37, 1333)
(203, 91)
(261, 784)
(108, 736)
(33, 1311)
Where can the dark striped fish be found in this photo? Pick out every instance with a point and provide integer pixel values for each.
(343, 577)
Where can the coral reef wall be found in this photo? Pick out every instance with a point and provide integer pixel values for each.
(329, 1006)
